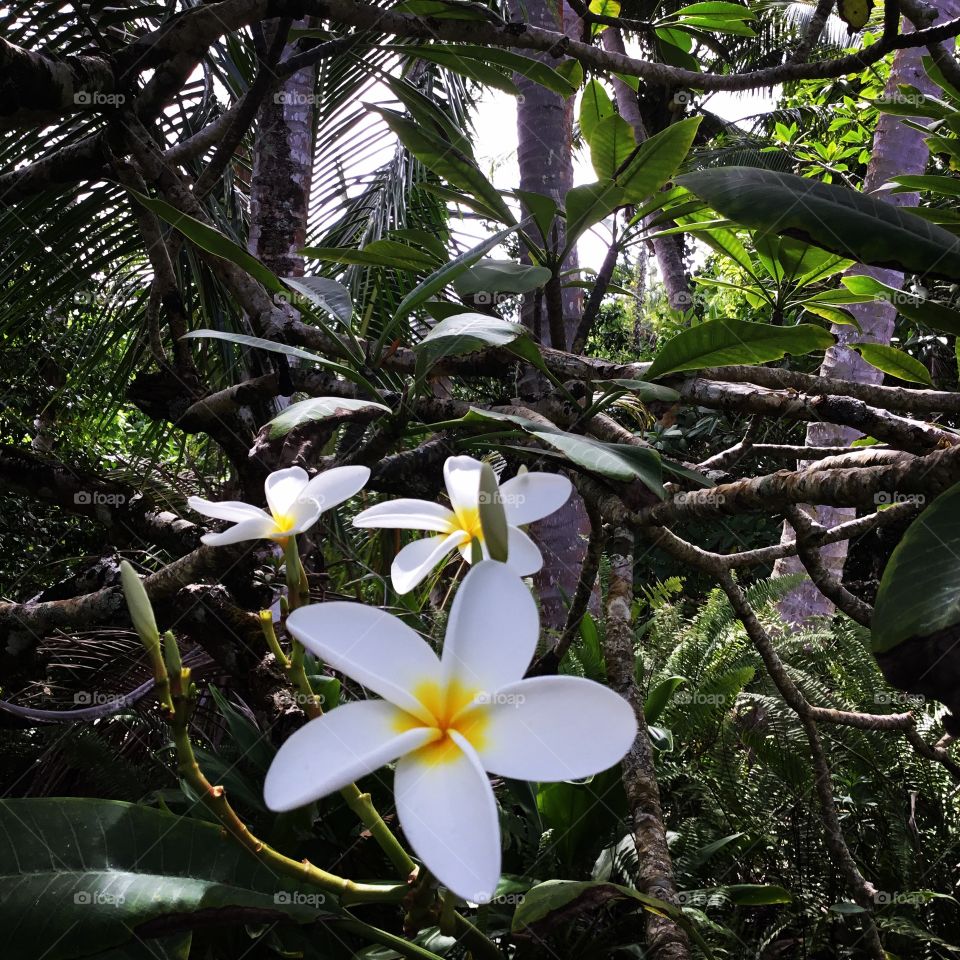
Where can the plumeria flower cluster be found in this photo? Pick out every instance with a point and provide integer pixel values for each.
(525, 498)
(295, 503)
(448, 721)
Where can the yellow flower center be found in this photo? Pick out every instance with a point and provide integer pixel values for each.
(284, 522)
(450, 707)
(468, 520)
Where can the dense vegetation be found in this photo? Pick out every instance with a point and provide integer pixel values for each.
(692, 513)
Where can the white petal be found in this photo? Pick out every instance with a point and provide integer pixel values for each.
(303, 514)
(371, 646)
(523, 555)
(417, 559)
(283, 488)
(533, 496)
(492, 631)
(256, 528)
(406, 514)
(232, 510)
(462, 477)
(334, 486)
(449, 815)
(554, 728)
(328, 753)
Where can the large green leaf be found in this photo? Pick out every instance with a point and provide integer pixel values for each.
(211, 240)
(595, 106)
(80, 876)
(568, 897)
(500, 276)
(894, 362)
(329, 295)
(843, 221)
(611, 144)
(720, 342)
(379, 253)
(919, 592)
(937, 316)
(655, 161)
(319, 408)
(467, 333)
(446, 274)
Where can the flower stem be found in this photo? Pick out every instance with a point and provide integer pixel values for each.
(215, 799)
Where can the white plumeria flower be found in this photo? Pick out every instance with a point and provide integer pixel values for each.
(295, 502)
(527, 497)
(448, 720)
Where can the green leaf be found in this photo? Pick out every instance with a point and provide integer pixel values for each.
(716, 343)
(572, 72)
(211, 240)
(611, 144)
(251, 742)
(437, 280)
(542, 208)
(660, 696)
(467, 333)
(493, 518)
(717, 10)
(604, 8)
(443, 159)
(595, 106)
(568, 897)
(942, 186)
(79, 876)
(319, 408)
(919, 592)
(655, 161)
(937, 316)
(429, 114)
(843, 221)
(641, 389)
(441, 9)
(329, 295)
(500, 276)
(894, 362)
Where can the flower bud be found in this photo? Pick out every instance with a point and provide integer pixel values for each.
(138, 603)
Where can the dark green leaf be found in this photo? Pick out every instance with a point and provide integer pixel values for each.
(319, 408)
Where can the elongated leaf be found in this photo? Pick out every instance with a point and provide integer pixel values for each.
(447, 274)
(838, 219)
(719, 342)
(445, 161)
(611, 144)
(564, 896)
(380, 253)
(211, 240)
(467, 333)
(937, 316)
(320, 408)
(659, 697)
(500, 276)
(327, 294)
(919, 592)
(80, 875)
(894, 362)
(595, 106)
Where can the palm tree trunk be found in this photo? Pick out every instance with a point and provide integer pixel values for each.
(898, 150)
(545, 156)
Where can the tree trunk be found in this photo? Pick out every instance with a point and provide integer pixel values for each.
(545, 157)
(668, 250)
(898, 150)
